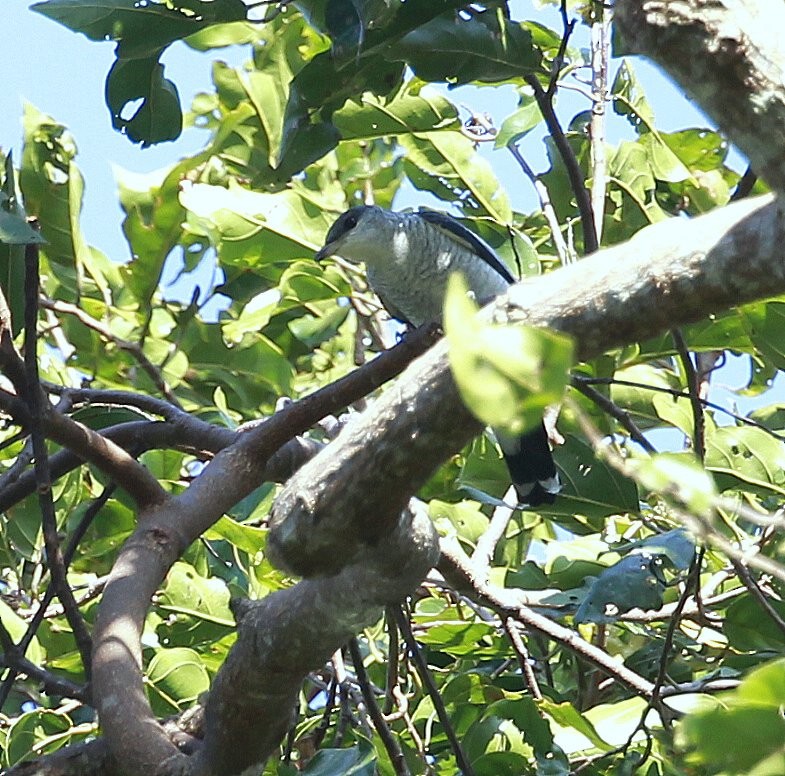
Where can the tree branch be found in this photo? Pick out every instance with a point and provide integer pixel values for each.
(736, 59)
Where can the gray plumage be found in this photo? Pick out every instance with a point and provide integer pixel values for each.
(409, 258)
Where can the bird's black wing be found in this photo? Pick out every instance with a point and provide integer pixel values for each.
(457, 231)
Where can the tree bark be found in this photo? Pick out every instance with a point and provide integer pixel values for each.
(339, 519)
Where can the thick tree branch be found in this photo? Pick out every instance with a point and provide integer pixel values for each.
(289, 633)
(138, 743)
(735, 68)
(675, 272)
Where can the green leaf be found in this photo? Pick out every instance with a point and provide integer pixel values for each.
(142, 32)
(487, 47)
(14, 230)
(140, 29)
(635, 582)
(247, 538)
(593, 489)
(17, 628)
(640, 401)
(629, 99)
(36, 730)
(461, 639)
(675, 545)
(765, 325)
(519, 123)
(697, 149)
(568, 717)
(14, 233)
(53, 187)
(446, 164)
(357, 760)
(406, 112)
(464, 518)
(746, 458)
(749, 629)
(197, 608)
(507, 375)
(250, 227)
(154, 115)
(679, 476)
(752, 714)
(177, 676)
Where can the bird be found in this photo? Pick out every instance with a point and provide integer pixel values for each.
(409, 257)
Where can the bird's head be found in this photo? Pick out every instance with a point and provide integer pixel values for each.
(358, 234)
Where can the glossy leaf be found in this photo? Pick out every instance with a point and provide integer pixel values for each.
(142, 30)
(507, 375)
(485, 47)
(177, 677)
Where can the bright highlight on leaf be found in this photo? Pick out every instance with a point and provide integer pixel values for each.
(507, 375)
(680, 477)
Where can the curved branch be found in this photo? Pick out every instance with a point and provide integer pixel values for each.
(736, 59)
(286, 635)
(165, 531)
(574, 172)
(455, 565)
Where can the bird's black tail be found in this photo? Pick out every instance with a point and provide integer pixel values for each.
(532, 469)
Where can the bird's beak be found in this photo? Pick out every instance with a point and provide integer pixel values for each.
(324, 252)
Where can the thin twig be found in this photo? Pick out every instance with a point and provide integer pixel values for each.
(394, 751)
(133, 348)
(13, 659)
(455, 564)
(511, 628)
(692, 582)
(577, 183)
(754, 589)
(392, 661)
(329, 705)
(745, 185)
(559, 243)
(613, 409)
(568, 26)
(35, 402)
(677, 393)
(43, 607)
(404, 626)
(693, 390)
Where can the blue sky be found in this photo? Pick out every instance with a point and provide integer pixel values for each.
(62, 73)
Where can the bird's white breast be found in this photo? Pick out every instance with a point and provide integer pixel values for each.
(411, 272)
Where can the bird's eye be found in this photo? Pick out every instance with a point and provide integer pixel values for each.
(351, 222)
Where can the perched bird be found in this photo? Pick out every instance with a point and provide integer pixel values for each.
(409, 258)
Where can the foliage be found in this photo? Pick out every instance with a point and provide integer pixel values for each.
(334, 105)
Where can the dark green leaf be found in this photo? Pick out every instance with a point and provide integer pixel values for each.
(143, 104)
(749, 628)
(358, 760)
(742, 732)
(486, 47)
(142, 31)
(13, 226)
(675, 545)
